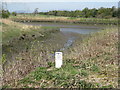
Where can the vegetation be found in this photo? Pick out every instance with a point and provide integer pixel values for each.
(91, 63)
(95, 71)
(26, 47)
(14, 13)
(61, 19)
(86, 13)
(98, 55)
(65, 77)
(5, 14)
(28, 51)
(85, 16)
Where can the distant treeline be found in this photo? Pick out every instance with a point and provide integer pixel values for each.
(86, 13)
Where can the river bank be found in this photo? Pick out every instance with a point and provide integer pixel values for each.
(58, 19)
(90, 62)
(26, 47)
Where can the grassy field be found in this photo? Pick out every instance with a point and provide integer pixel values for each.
(49, 18)
(98, 57)
(90, 63)
(26, 47)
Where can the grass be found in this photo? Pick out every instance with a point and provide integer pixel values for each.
(26, 47)
(80, 72)
(98, 54)
(47, 18)
(90, 63)
(52, 77)
(12, 30)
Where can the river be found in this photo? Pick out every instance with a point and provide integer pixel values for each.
(67, 29)
(74, 28)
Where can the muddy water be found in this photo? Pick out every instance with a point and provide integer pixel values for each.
(74, 28)
(70, 30)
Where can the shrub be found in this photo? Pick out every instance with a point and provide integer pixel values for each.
(5, 14)
(14, 13)
(3, 58)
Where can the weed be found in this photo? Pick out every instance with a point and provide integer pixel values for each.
(40, 73)
(26, 80)
(3, 58)
(83, 84)
(50, 64)
(84, 73)
(109, 86)
(95, 68)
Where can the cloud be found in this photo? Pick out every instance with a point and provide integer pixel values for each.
(60, 1)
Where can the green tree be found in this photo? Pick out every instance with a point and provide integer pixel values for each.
(85, 12)
(114, 11)
(93, 12)
(5, 14)
(104, 12)
(14, 13)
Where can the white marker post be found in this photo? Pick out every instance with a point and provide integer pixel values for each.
(58, 59)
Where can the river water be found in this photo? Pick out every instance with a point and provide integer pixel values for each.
(67, 29)
(74, 28)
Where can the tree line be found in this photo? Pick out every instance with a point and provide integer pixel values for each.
(6, 13)
(86, 13)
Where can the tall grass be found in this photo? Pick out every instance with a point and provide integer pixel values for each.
(29, 18)
(26, 47)
(90, 63)
(98, 54)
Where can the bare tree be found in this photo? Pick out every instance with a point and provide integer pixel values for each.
(4, 5)
(35, 11)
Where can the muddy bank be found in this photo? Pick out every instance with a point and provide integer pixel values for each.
(27, 18)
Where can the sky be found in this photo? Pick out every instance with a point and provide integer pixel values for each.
(29, 7)
(60, 0)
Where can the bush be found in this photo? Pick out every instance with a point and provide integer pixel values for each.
(14, 13)
(5, 14)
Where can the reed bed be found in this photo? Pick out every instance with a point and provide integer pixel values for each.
(28, 18)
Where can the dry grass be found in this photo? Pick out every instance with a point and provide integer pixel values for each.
(27, 47)
(92, 63)
(100, 50)
(31, 18)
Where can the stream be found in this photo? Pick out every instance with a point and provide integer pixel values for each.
(67, 29)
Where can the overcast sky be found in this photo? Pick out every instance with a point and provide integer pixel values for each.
(60, 0)
(48, 5)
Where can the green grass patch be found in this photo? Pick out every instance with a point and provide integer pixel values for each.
(60, 77)
(95, 68)
(84, 73)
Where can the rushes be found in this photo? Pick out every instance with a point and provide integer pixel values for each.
(29, 18)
